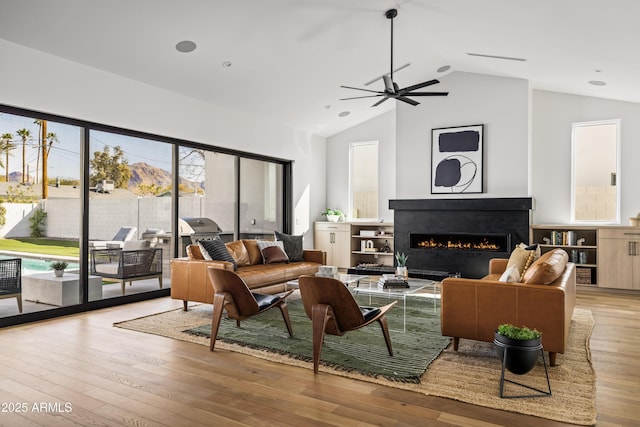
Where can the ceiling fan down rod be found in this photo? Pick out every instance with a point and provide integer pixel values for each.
(390, 14)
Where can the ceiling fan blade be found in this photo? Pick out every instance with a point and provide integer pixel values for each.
(366, 90)
(419, 85)
(425, 94)
(380, 102)
(360, 97)
(388, 85)
(407, 100)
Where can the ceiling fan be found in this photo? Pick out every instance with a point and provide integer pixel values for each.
(391, 88)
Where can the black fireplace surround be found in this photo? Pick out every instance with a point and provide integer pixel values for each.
(459, 236)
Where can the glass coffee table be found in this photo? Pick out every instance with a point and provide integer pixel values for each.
(347, 279)
(371, 288)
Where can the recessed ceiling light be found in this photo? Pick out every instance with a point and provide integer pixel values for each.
(226, 64)
(444, 68)
(186, 46)
(344, 113)
(597, 83)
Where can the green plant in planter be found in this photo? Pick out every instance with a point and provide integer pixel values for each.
(401, 258)
(517, 333)
(328, 212)
(58, 265)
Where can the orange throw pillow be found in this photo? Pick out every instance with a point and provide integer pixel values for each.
(547, 268)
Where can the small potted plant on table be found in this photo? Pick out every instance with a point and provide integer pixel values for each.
(58, 267)
(401, 268)
(333, 215)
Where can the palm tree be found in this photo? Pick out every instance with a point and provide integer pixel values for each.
(41, 133)
(24, 134)
(46, 148)
(6, 146)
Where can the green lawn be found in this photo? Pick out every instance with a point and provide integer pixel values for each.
(41, 246)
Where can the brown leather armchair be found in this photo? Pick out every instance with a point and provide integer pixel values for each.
(473, 308)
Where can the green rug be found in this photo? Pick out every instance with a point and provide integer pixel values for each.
(363, 350)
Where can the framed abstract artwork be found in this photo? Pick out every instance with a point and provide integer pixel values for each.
(456, 160)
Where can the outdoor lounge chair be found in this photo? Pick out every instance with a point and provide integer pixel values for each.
(123, 235)
(135, 261)
(11, 280)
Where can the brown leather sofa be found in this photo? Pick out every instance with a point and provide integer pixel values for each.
(473, 308)
(190, 282)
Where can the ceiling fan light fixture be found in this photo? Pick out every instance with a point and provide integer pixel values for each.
(392, 89)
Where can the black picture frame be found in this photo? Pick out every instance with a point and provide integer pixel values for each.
(457, 160)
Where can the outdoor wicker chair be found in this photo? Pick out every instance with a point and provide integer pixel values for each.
(11, 280)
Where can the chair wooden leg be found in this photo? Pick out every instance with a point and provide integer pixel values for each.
(122, 285)
(385, 332)
(456, 343)
(218, 307)
(319, 315)
(285, 315)
(19, 298)
(552, 358)
(160, 280)
(184, 304)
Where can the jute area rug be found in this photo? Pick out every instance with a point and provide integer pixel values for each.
(470, 375)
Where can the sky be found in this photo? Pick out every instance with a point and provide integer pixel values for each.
(64, 157)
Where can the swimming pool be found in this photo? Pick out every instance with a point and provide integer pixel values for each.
(38, 265)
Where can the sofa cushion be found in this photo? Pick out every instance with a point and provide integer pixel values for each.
(239, 253)
(272, 252)
(135, 245)
(547, 268)
(292, 246)
(216, 250)
(510, 275)
(255, 257)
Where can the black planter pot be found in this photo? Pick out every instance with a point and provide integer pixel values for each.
(522, 355)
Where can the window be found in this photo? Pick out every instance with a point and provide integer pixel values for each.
(595, 153)
(363, 203)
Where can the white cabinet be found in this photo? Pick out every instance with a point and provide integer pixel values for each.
(619, 257)
(335, 239)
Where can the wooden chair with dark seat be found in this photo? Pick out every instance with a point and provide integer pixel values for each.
(11, 280)
(333, 310)
(233, 295)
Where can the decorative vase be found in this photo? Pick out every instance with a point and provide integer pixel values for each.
(522, 355)
(403, 272)
(333, 218)
(58, 273)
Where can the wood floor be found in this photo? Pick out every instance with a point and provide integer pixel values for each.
(80, 370)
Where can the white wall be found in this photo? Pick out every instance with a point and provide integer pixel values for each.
(46, 83)
(553, 114)
(498, 103)
(381, 129)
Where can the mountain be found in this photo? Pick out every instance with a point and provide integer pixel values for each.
(144, 174)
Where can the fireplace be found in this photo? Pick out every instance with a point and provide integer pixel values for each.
(460, 241)
(459, 235)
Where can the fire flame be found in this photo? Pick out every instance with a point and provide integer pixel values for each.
(484, 244)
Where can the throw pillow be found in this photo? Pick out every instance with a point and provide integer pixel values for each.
(547, 268)
(255, 257)
(239, 253)
(522, 257)
(272, 252)
(292, 246)
(510, 275)
(216, 250)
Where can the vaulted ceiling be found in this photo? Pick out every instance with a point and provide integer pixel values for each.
(286, 59)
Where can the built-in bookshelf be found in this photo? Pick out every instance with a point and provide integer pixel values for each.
(372, 243)
(580, 243)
